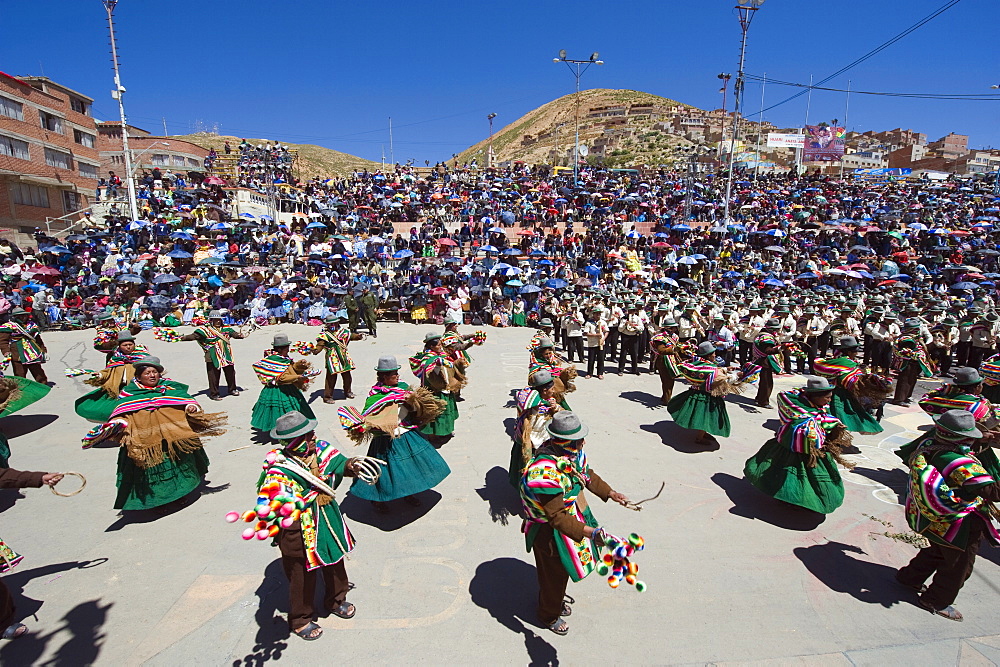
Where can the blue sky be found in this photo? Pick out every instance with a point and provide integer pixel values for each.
(333, 72)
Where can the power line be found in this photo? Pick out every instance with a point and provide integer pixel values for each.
(878, 49)
(968, 97)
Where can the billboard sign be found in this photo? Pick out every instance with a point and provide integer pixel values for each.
(889, 171)
(779, 140)
(824, 143)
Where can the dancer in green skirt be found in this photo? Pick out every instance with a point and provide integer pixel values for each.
(431, 367)
(843, 372)
(160, 430)
(699, 408)
(96, 406)
(798, 465)
(392, 417)
(16, 393)
(283, 380)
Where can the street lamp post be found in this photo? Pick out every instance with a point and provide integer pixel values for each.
(996, 183)
(136, 163)
(746, 9)
(724, 77)
(692, 153)
(575, 67)
(489, 157)
(117, 93)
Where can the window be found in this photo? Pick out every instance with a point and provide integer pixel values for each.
(58, 159)
(117, 159)
(13, 147)
(159, 159)
(29, 195)
(50, 122)
(176, 160)
(79, 106)
(82, 138)
(87, 170)
(11, 109)
(193, 163)
(71, 201)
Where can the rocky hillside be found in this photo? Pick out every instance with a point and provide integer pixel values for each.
(313, 160)
(619, 127)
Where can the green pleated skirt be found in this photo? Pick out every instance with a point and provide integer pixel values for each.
(96, 406)
(412, 466)
(785, 475)
(445, 423)
(700, 411)
(144, 489)
(276, 401)
(847, 409)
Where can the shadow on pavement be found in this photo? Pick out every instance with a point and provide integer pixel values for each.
(18, 425)
(871, 583)
(400, 513)
(679, 438)
(893, 478)
(504, 499)
(508, 589)
(128, 517)
(746, 404)
(642, 398)
(750, 503)
(8, 497)
(272, 628)
(83, 622)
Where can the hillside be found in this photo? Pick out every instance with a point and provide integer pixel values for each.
(615, 125)
(313, 160)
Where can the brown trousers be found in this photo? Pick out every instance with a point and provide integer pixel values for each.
(666, 380)
(766, 383)
(951, 567)
(7, 608)
(302, 582)
(21, 370)
(331, 384)
(906, 381)
(215, 374)
(552, 576)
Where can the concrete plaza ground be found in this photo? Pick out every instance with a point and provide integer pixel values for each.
(733, 576)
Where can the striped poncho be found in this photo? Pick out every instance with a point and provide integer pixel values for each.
(380, 397)
(954, 397)
(215, 343)
(271, 367)
(933, 508)
(699, 373)
(135, 397)
(804, 426)
(25, 347)
(990, 370)
(840, 371)
(673, 351)
(325, 534)
(909, 349)
(334, 344)
(426, 362)
(450, 341)
(766, 341)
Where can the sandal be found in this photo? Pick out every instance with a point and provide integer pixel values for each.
(345, 610)
(309, 632)
(559, 626)
(14, 631)
(948, 612)
(566, 610)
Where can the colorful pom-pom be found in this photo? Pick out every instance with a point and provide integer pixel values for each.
(613, 582)
(249, 533)
(249, 515)
(602, 570)
(232, 517)
(263, 534)
(640, 586)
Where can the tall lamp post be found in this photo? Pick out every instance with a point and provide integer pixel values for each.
(996, 183)
(746, 9)
(117, 93)
(724, 77)
(575, 67)
(489, 157)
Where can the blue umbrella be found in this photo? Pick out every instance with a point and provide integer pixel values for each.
(273, 290)
(592, 270)
(512, 251)
(400, 254)
(687, 260)
(633, 235)
(211, 260)
(515, 283)
(267, 217)
(182, 236)
(132, 226)
(697, 256)
(556, 283)
(966, 285)
(682, 228)
(501, 266)
(774, 282)
(219, 226)
(511, 271)
(529, 289)
(669, 281)
(547, 262)
(495, 230)
(179, 254)
(489, 248)
(732, 274)
(315, 225)
(130, 278)
(166, 278)
(806, 276)
(661, 235)
(247, 215)
(536, 253)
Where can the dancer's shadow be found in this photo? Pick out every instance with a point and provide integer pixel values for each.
(18, 425)
(8, 497)
(895, 479)
(260, 437)
(771, 424)
(508, 425)
(750, 503)
(643, 398)
(744, 403)
(679, 438)
(871, 583)
(512, 402)
(272, 629)
(400, 513)
(83, 621)
(508, 589)
(503, 498)
(129, 517)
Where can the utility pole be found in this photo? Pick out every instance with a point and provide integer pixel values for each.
(577, 72)
(489, 157)
(164, 126)
(117, 93)
(392, 155)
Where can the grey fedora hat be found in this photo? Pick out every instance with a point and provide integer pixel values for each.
(291, 425)
(847, 343)
(567, 426)
(706, 349)
(280, 340)
(215, 314)
(432, 336)
(148, 361)
(545, 342)
(958, 422)
(125, 336)
(545, 322)
(387, 362)
(818, 385)
(540, 379)
(966, 376)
